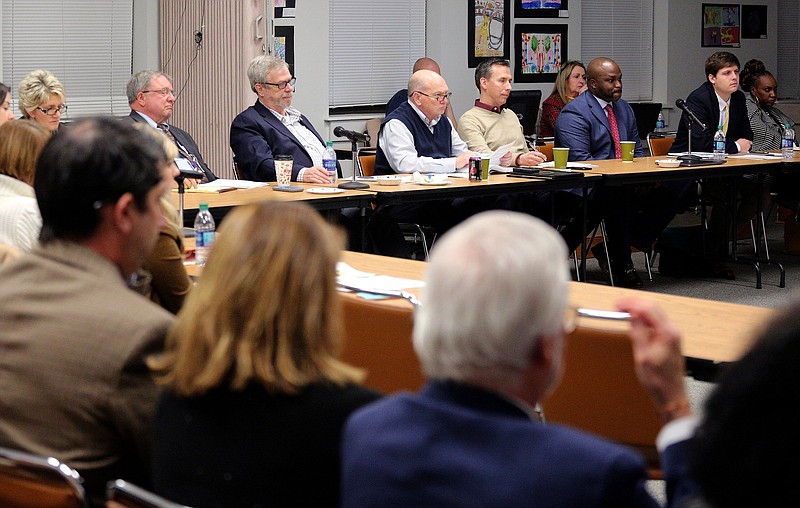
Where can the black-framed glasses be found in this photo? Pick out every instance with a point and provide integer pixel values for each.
(163, 92)
(283, 84)
(52, 111)
(438, 97)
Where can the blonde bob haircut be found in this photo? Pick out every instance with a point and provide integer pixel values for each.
(265, 309)
(562, 79)
(36, 88)
(21, 142)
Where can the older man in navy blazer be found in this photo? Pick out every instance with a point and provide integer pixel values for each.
(273, 127)
(490, 336)
(587, 126)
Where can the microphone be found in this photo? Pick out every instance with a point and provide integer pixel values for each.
(190, 173)
(682, 105)
(341, 132)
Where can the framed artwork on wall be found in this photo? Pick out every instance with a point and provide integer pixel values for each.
(721, 25)
(540, 8)
(540, 51)
(284, 45)
(754, 22)
(487, 30)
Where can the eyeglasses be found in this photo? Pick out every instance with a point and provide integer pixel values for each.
(573, 314)
(163, 92)
(282, 85)
(438, 97)
(53, 111)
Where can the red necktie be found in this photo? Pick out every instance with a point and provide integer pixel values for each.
(612, 122)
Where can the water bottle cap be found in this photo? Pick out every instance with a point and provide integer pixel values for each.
(719, 127)
(329, 143)
(203, 206)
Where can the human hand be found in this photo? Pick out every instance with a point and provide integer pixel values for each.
(507, 159)
(316, 174)
(532, 158)
(744, 145)
(657, 357)
(463, 159)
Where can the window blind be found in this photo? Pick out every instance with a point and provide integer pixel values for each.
(86, 44)
(373, 46)
(622, 30)
(788, 71)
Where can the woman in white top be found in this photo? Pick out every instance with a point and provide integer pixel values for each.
(21, 142)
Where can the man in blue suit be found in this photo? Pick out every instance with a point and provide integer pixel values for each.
(273, 127)
(490, 336)
(592, 126)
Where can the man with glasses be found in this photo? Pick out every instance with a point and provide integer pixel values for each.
(273, 127)
(401, 96)
(152, 97)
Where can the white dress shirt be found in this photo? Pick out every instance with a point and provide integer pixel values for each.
(306, 138)
(397, 144)
(20, 221)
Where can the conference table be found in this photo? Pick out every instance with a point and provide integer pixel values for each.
(711, 331)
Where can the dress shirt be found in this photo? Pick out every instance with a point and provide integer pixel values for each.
(181, 161)
(723, 112)
(397, 143)
(306, 138)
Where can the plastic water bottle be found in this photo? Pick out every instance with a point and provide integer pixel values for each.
(204, 229)
(719, 145)
(787, 143)
(329, 161)
(660, 126)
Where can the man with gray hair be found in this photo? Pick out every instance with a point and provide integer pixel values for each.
(152, 97)
(490, 336)
(273, 127)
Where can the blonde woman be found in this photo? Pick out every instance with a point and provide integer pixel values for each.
(42, 99)
(21, 142)
(570, 82)
(255, 396)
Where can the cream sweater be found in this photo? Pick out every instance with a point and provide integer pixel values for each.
(485, 131)
(20, 220)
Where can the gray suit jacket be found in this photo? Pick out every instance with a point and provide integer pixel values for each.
(73, 382)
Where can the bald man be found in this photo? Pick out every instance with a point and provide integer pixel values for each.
(418, 137)
(422, 64)
(634, 215)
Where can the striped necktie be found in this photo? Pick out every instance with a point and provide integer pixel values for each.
(612, 122)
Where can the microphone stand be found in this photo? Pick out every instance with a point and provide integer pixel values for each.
(354, 184)
(689, 158)
(181, 191)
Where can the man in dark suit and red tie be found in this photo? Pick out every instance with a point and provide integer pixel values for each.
(152, 97)
(592, 127)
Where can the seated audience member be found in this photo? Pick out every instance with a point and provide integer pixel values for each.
(718, 101)
(74, 337)
(152, 97)
(255, 396)
(570, 82)
(491, 352)
(41, 98)
(401, 96)
(745, 451)
(5, 104)
(489, 124)
(163, 269)
(20, 145)
(272, 126)
(767, 122)
(592, 127)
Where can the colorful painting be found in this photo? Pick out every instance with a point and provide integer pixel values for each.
(283, 44)
(488, 30)
(541, 49)
(721, 25)
(540, 8)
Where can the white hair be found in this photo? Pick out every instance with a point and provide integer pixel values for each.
(495, 284)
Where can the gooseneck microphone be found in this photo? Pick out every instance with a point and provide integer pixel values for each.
(341, 132)
(685, 107)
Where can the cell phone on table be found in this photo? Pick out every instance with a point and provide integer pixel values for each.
(287, 188)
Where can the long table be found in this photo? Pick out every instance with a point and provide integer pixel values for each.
(711, 331)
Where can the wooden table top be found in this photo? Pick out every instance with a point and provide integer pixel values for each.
(711, 330)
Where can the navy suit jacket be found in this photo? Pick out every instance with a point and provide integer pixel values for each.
(257, 136)
(704, 103)
(582, 126)
(184, 139)
(460, 446)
